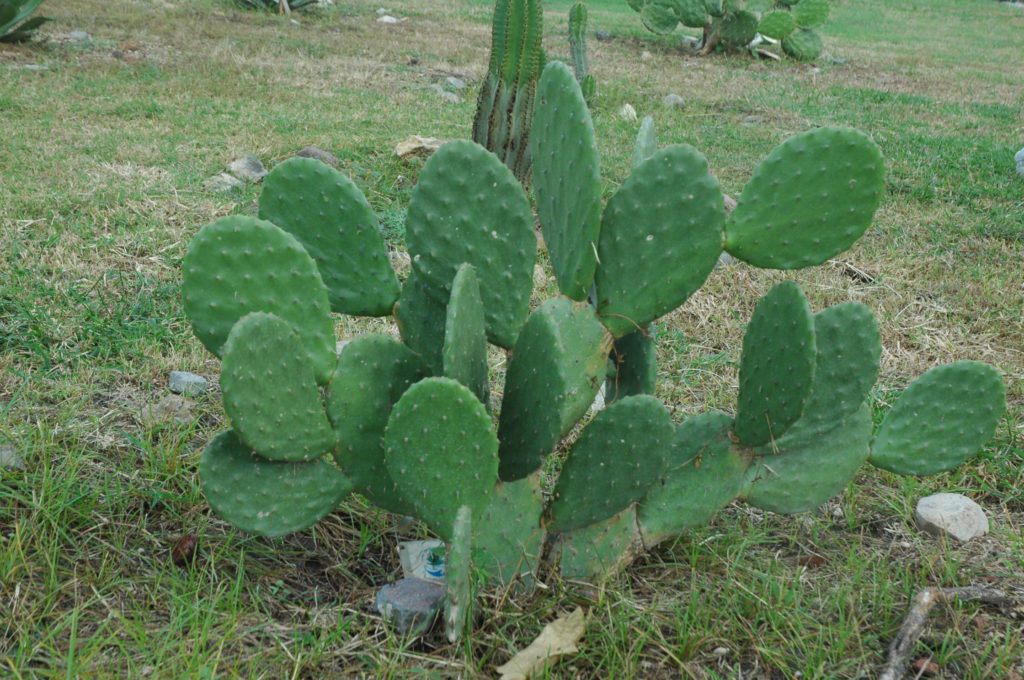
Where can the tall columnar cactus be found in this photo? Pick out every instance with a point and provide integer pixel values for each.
(578, 50)
(727, 23)
(504, 110)
(407, 425)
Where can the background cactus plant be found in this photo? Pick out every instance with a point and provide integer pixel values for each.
(410, 437)
(15, 24)
(578, 50)
(504, 108)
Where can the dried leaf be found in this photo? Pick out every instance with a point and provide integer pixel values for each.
(184, 551)
(557, 639)
(925, 666)
(416, 145)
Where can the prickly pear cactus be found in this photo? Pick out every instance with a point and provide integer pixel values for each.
(406, 424)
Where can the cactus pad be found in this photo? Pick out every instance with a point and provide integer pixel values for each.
(692, 13)
(583, 346)
(801, 472)
(599, 550)
(329, 215)
(464, 352)
(646, 141)
(809, 200)
(776, 25)
(468, 207)
(374, 371)
(509, 537)
(441, 451)
(566, 179)
(421, 321)
(777, 365)
(619, 454)
(269, 391)
(738, 28)
(635, 366)
(661, 235)
(810, 13)
(659, 16)
(458, 611)
(239, 265)
(703, 475)
(803, 44)
(943, 418)
(265, 497)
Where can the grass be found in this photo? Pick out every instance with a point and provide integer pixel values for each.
(102, 164)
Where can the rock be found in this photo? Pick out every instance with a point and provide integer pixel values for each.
(189, 384)
(10, 460)
(730, 204)
(387, 19)
(223, 184)
(415, 144)
(628, 112)
(645, 55)
(602, 35)
(445, 94)
(410, 604)
(454, 84)
(673, 101)
(340, 345)
(318, 154)
(248, 168)
(80, 36)
(951, 514)
(1019, 158)
(35, 67)
(724, 260)
(753, 119)
(381, 11)
(171, 409)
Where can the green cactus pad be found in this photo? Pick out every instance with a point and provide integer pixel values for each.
(777, 365)
(634, 356)
(659, 16)
(373, 372)
(421, 321)
(776, 25)
(239, 265)
(692, 13)
(269, 391)
(269, 498)
(704, 474)
(566, 179)
(848, 349)
(738, 28)
(330, 217)
(465, 341)
(810, 13)
(801, 472)
(942, 419)
(509, 537)
(809, 200)
(646, 141)
(731, 6)
(458, 610)
(598, 551)
(536, 384)
(635, 5)
(583, 346)
(468, 207)
(661, 235)
(803, 44)
(716, 8)
(441, 451)
(617, 457)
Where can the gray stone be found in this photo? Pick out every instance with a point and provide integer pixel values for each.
(318, 154)
(1019, 158)
(381, 11)
(602, 35)
(223, 184)
(189, 384)
(248, 168)
(340, 345)
(410, 604)
(80, 36)
(10, 459)
(673, 101)
(951, 514)
(724, 260)
(387, 19)
(171, 409)
(451, 97)
(454, 84)
(35, 67)
(753, 119)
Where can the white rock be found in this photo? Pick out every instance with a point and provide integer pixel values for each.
(387, 19)
(673, 101)
(381, 11)
(1019, 157)
(454, 84)
(223, 183)
(189, 384)
(951, 514)
(628, 112)
(10, 459)
(248, 168)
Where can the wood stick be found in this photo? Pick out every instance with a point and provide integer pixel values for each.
(903, 644)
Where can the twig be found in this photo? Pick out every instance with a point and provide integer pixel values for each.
(913, 625)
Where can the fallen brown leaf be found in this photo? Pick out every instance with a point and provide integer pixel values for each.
(557, 639)
(184, 550)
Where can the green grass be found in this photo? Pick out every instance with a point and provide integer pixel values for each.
(102, 164)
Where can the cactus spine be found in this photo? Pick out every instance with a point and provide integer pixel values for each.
(391, 421)
(504, 108)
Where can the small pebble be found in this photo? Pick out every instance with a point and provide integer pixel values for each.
(189, 384)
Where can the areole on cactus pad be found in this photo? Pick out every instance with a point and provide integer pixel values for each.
(408, 424)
